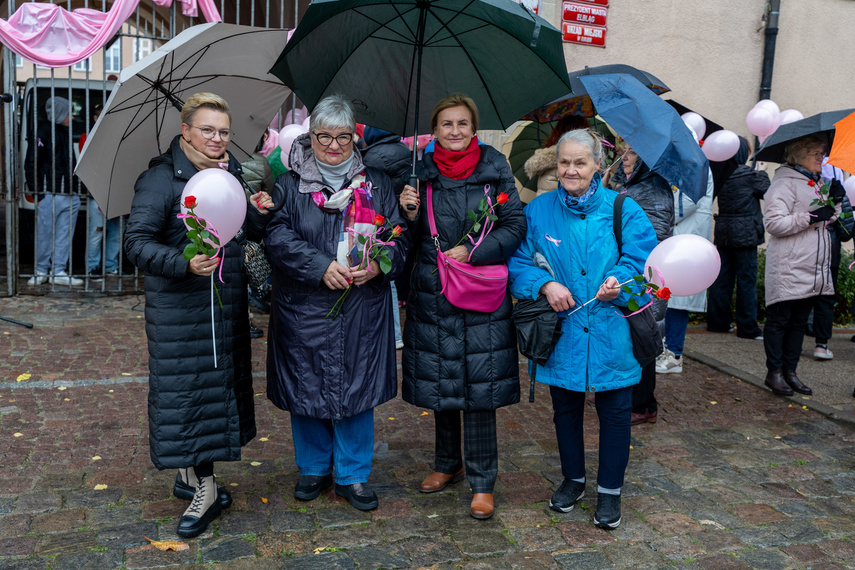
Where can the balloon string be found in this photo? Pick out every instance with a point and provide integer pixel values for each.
(213, 327)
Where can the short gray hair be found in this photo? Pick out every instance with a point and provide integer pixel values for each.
(333, 112)
(586, 138)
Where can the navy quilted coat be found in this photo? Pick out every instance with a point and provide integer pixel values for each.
(197, 413)
(456, 359)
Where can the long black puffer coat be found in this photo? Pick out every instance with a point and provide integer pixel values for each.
(329, 368)
(739, 221)
(652, 193)
(197, 413)
(456, 359)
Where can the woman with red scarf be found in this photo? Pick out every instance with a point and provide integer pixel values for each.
(458, 360)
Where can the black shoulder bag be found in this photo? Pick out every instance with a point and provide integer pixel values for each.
(646, 336)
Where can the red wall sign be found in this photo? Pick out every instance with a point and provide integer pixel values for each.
(584, 14)
(587, 35)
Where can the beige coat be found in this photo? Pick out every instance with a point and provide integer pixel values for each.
(798, 254)
(543, 164)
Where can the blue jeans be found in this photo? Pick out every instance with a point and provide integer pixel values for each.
(613, 409)
(57, 218)
(738, 264)
(347, 445)
(96, 231)
(676, 323)
(396, 312)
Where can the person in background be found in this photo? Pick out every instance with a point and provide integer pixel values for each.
(48, 167)
(200, 407)
(456, 360)
(821, 320)
(110, 230)
(543, 163)
(738, 231)
(696, 219)
(654, 195)
(330, 370)
(573, 228)
(385, 151)
(798, 258)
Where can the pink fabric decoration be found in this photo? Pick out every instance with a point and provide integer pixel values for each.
(54, 37)
(271, 143)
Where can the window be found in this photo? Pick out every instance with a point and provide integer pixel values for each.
(19, 61)
(85, 65)
(142, 47)
(113, 58)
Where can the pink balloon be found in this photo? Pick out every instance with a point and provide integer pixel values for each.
(286, 139)
(721, 145)
(769, 105)
(788, 116)
(696, 122)
(760, 121)
(220, 201)
(295, 116)
(686, 264)
(762, 139)
(849, 186)
(305, 123)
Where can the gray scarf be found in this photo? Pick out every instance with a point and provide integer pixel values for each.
(335, 175)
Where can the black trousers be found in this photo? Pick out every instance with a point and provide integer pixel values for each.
(785, 331)
(823, 317)
(480, 447)
(643, 400)
(738, 265)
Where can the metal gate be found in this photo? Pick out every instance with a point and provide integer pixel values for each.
(67, 219)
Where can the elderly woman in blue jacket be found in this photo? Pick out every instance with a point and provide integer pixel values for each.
(573, 230)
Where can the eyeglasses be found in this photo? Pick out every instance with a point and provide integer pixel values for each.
(209, 133)
(819, 155)
(326, 139)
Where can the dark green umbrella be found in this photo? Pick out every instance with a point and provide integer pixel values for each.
(526, 138)
(821, 125)
(387, 56)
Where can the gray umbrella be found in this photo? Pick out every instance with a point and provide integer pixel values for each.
(142, 115)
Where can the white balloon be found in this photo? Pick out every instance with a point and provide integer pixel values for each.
(721, 145)
(769, 105)
(788, 116)
(696, 122)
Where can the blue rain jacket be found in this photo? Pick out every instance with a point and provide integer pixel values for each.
(594, 352)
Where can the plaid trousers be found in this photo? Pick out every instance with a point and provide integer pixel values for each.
(480, 447)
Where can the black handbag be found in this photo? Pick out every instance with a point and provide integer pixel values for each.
(645, 333)
(256, 265)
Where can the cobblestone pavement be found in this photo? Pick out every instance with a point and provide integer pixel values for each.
(730, 477)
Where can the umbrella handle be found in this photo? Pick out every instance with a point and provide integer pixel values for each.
(413, 181)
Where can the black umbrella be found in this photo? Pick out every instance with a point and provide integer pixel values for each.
(821, 125)
(712, 126)
(538, 330)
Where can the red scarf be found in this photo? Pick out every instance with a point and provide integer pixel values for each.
(457, 164)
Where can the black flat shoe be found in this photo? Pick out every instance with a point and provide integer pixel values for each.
(185, 492)
(360, 495)
(310, 486)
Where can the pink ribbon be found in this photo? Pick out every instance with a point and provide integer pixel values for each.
(204, 223)
(371, 241)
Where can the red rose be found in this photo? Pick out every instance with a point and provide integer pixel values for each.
(379, 220)
(811, 183)
(663, 293)
(190, 202)
(502, 198)
(396, 231)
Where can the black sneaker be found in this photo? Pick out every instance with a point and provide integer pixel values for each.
(310, 486)
(95, 275)
(360, 495)
(607, 515)
(254, 331)
(566, 496)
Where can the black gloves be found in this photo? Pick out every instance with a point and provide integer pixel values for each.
(821, 214)
(836, 191)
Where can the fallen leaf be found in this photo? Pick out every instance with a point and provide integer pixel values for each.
(712, 524)
(168, 545)
(17, 434)
(263, 500)
(320, 549)
(5, 332)
(777, 437)
(630, 447)
(713, 402)
(23, 377)
(110, 391)
(125, 374)
(804, 407)
(96, 458)
(100, 487)
(391, 418)
(263, 439)
(67, 400)
(424, 413)
(255, 463)
(62, 388)
(432, 516)
(233, 484)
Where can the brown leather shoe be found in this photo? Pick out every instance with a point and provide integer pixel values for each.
(796, 384)
(645, 418)
(775, 380)
(437, 481)
(482, 506)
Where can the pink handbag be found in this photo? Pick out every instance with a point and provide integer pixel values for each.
(472, 287)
